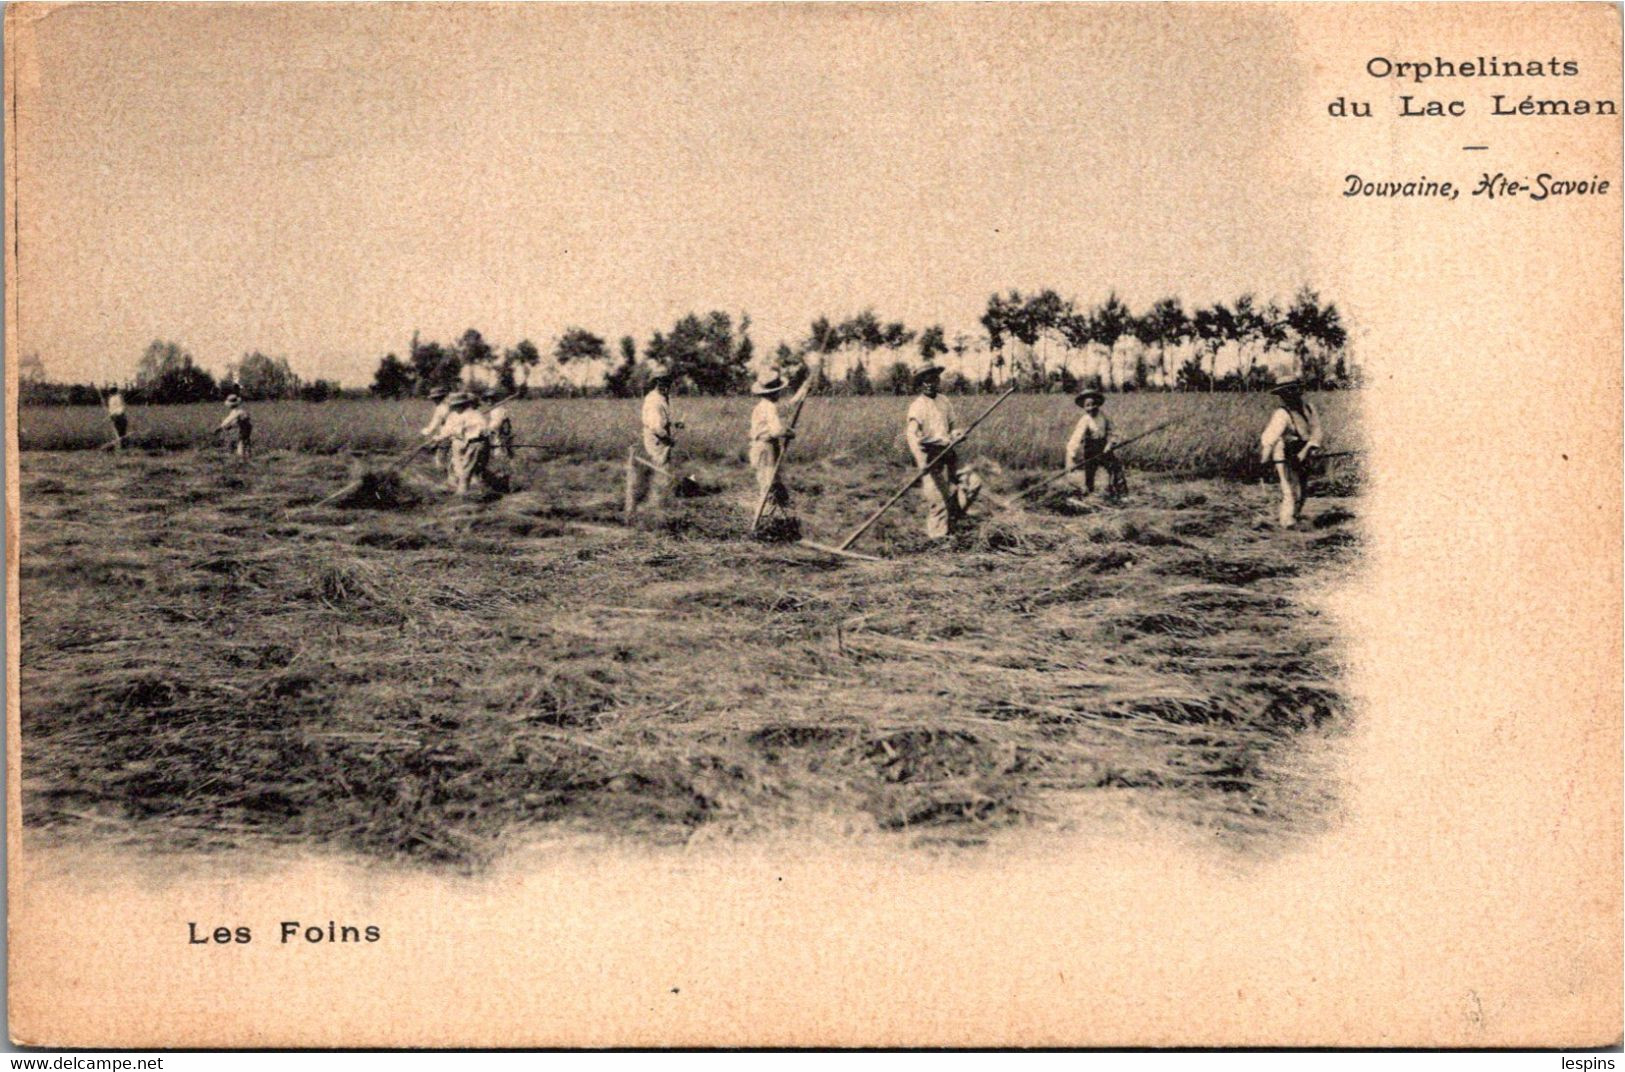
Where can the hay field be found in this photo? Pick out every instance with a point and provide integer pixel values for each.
(1217, 436)
(209, 662)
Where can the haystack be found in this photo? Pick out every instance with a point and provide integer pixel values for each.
(689, 488)
(375, 490)
(778, 529)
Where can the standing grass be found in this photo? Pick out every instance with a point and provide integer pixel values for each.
(1217, 434)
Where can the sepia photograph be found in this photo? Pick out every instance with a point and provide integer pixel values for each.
(813, 525)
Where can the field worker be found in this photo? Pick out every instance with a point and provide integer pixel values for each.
(469, 438)
(657, 429)
(239, 423)
(431, 431)
(1290, 439)
(115, 416)
(947, 493)
(1089, 443)
(501, 427)
(768, 437)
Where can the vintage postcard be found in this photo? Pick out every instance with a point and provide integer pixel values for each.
(814, 525)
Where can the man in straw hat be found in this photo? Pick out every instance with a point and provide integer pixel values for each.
(658, 441)
(442, 453)
(947, 493)
(1290, 439)
(469, 437)
(237, 421)
(768, 437)
(1090, 440)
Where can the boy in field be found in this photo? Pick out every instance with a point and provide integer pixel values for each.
(116, 417)
(442, 453)
(467, 435)
(1290, 440)
(929, 429)
(501, 426)
(1089, 444)
(656, 426)
(768, 438)
(239, 426)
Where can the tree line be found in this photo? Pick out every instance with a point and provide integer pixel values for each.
(1045, 333)
(1035, 342)
(708, 354)
(168, 373)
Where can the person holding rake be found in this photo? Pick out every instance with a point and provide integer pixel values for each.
(239, 426)
(768, 439)
(1089, 446)
(468, 435)
(656, 428)
(929, 429)
(1290, 440)
(431, 431)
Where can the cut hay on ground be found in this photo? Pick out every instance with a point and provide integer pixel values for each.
(437, 683)
(375, 490)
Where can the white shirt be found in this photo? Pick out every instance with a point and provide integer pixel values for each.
(1285, 424)
(236, 416)
(929, 420)
(764, 422)
(495, 416)
(1097, 429)
(657, 416)
(464, 425)
(441, 412)
(115, 405)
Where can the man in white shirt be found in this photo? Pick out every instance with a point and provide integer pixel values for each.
(500, 425)
(947, 493)
(768, 437)
(468, 435)
(237, 421)
(1290, 440)
(1091, 439)
(115, 416)
(656, 427)
(442, 452)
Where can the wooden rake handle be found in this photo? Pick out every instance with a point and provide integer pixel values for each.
(784, 448)
(1069, 470)
(925, 471)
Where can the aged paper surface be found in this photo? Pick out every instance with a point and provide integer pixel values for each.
(1465, 889)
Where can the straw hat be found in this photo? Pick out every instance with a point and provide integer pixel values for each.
(438, 393)
(1098, 396)
(233, 401)
(1287, 387)
(659, 374)
(458, 399)
(769, 386)
(929, 372)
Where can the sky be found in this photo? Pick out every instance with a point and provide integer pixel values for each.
(318, 182)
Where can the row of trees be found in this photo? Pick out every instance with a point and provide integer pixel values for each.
(709, 354)
(1037, 342)
(168, 373)
(1044, 325)
(429, 365)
